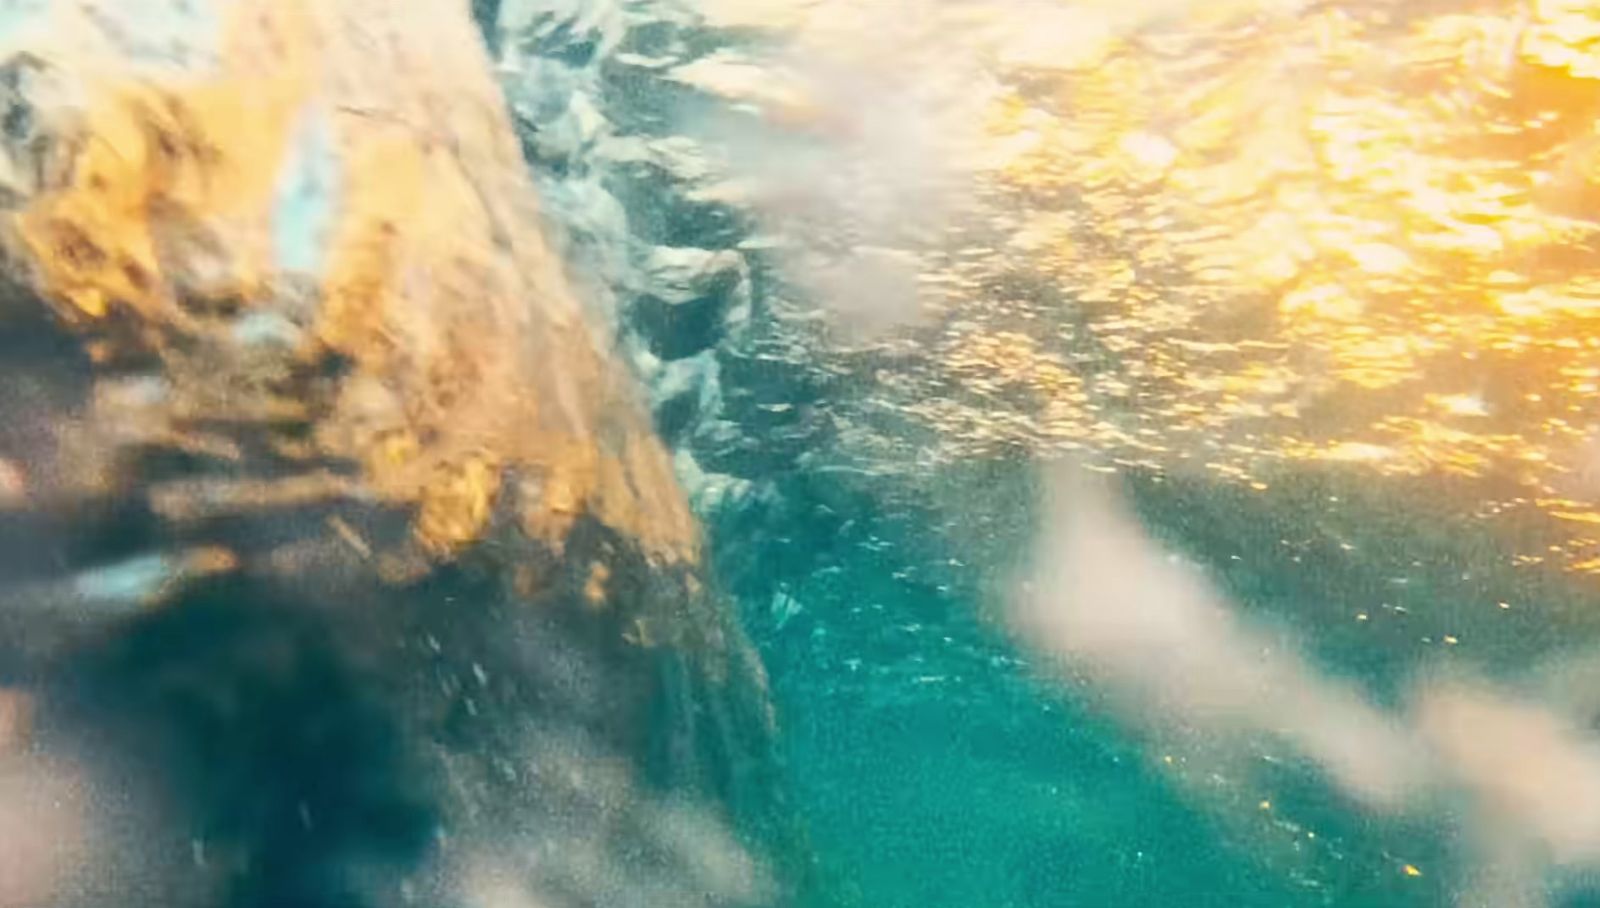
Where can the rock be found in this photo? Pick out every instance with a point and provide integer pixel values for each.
(687, 297)
(411, 458)
(771, 374)
(680, 159)
(574, 32)
(661, 180)
(659, 212)
(739, 450)
(713, 494)
(588, 227)
(566, 135)
(685, 392)
(642, 102)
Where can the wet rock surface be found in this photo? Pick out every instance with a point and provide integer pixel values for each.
(672, 272)
(345, 542)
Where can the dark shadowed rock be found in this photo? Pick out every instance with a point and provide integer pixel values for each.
(359, 554)
(688, 298)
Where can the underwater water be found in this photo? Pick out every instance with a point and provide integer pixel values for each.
(937, 766)
(882, 268)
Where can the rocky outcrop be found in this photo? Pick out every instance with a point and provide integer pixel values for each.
(310, 374)
(652, 215)
(304, 237)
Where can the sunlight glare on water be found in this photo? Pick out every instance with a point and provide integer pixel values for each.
(1348, 233)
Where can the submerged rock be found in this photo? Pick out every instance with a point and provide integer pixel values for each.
(689, 298)
(451, 634)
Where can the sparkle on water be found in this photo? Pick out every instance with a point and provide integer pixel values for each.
(1316, 277)
(1240, 236)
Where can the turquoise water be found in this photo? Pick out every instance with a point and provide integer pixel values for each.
(936, 766)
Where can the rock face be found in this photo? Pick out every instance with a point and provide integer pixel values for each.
(306, 373)
(653, 217)
(301, 233)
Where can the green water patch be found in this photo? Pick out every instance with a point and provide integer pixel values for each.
(936, 764)
(935, 803)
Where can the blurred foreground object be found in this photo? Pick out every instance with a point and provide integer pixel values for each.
(297, 361)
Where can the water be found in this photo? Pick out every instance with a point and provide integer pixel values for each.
(1387, 480)
(936, 767)
(939, 764)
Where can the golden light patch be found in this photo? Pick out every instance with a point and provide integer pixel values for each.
(456, 506)
(461, 354)
(154, 156)
(594, 588)
(1253, 235)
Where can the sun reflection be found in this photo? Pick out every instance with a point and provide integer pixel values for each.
(1291, 215)
(1272, 232)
